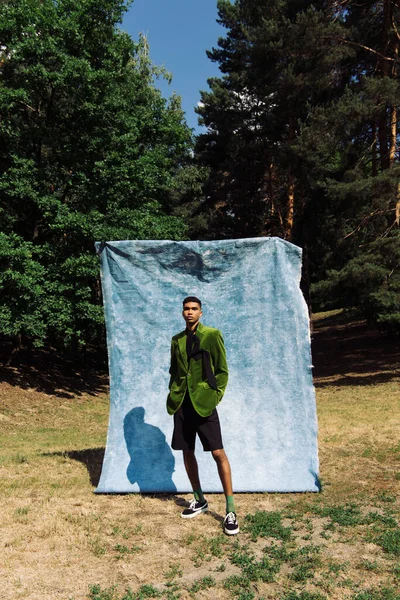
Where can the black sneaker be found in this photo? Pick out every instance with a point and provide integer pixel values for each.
(231, 526)
(195, 508)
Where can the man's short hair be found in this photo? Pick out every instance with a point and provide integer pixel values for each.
(192, 299)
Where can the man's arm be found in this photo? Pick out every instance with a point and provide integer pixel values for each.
(218, 356)
(173, 369)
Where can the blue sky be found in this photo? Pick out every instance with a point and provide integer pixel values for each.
(179, 33)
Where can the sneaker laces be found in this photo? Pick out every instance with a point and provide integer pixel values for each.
(230, 518)
(193, 503)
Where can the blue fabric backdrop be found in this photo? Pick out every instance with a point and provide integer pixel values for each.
(250, 291)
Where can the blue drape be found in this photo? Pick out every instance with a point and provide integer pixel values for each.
(250, 291)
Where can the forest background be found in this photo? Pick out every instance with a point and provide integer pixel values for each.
(301, 142)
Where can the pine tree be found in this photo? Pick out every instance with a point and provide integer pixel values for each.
(363, 191)
(301, 141)
(278, 59)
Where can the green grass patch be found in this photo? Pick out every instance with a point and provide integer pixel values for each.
(342, 514)
(304, 561)
(207, 548)
(97, 593)
(239, 587)
(252, 569)
(146, 591)
(378, 594)
(266, 524)
(389, 541)
(202, 584)
(385, 532)
(302, 596)
(175, 570)
(124, 550)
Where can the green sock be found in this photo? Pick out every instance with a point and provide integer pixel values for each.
(198, 494)
(230, 504)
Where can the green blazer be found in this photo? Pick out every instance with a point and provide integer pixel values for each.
(191, 377)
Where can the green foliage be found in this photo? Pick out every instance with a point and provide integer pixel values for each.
(204, 583)
(302, 596)
(147, 591)
(278, 59)
(390, 541)
(89, 150)
(207, 548)
(370, 281)
(382, 520)
(239, 587)
(266, 524)
(22, 290)
(175, 570)
(97, 593)
(378, 594)
(306, 561)
(301, 142)
(346, 515)
(253, 570)
(124, 550)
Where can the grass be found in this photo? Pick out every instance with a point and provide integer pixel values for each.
(266, 524)
(61, 542)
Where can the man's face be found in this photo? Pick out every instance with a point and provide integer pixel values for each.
(191, 312)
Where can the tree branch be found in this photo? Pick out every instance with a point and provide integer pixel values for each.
(395, 28)
(366, 219)
(339, 39)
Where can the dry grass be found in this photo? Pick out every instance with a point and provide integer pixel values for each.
(58, 538)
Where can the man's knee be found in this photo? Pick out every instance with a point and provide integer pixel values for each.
(219, 456)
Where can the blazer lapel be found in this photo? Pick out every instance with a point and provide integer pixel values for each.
(200, 331)
(182, 348)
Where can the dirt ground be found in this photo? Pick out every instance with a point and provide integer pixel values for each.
(58, 538)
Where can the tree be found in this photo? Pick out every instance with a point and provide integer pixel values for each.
(89, 150)
(360, 128)
(278, 59)
(302, 132)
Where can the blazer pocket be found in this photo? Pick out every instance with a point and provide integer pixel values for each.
(206, 386)
(176, 385)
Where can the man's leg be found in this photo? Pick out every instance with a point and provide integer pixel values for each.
(199, 503)
(192, 468)
(231, 526)
(224, 471)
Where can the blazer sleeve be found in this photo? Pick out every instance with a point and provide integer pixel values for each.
(173, 369)
(218, 356)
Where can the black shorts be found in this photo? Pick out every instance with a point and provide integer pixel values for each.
(187, 422)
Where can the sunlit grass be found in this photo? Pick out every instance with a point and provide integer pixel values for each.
(62, 542)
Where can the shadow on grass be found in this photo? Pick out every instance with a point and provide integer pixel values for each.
(92, 458)
(51, 373)
(350, 352)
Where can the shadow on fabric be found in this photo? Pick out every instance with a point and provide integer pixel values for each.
(151, 460)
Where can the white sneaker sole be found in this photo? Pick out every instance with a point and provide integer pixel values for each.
(195, 514)
(234, 532)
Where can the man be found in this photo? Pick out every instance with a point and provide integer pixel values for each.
(199, 376)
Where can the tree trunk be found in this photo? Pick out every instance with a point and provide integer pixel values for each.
(383, 141)
(385, 72)
(290, 208)
(393, 111)
(374, 151)
(16, 349)
(290, 188)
